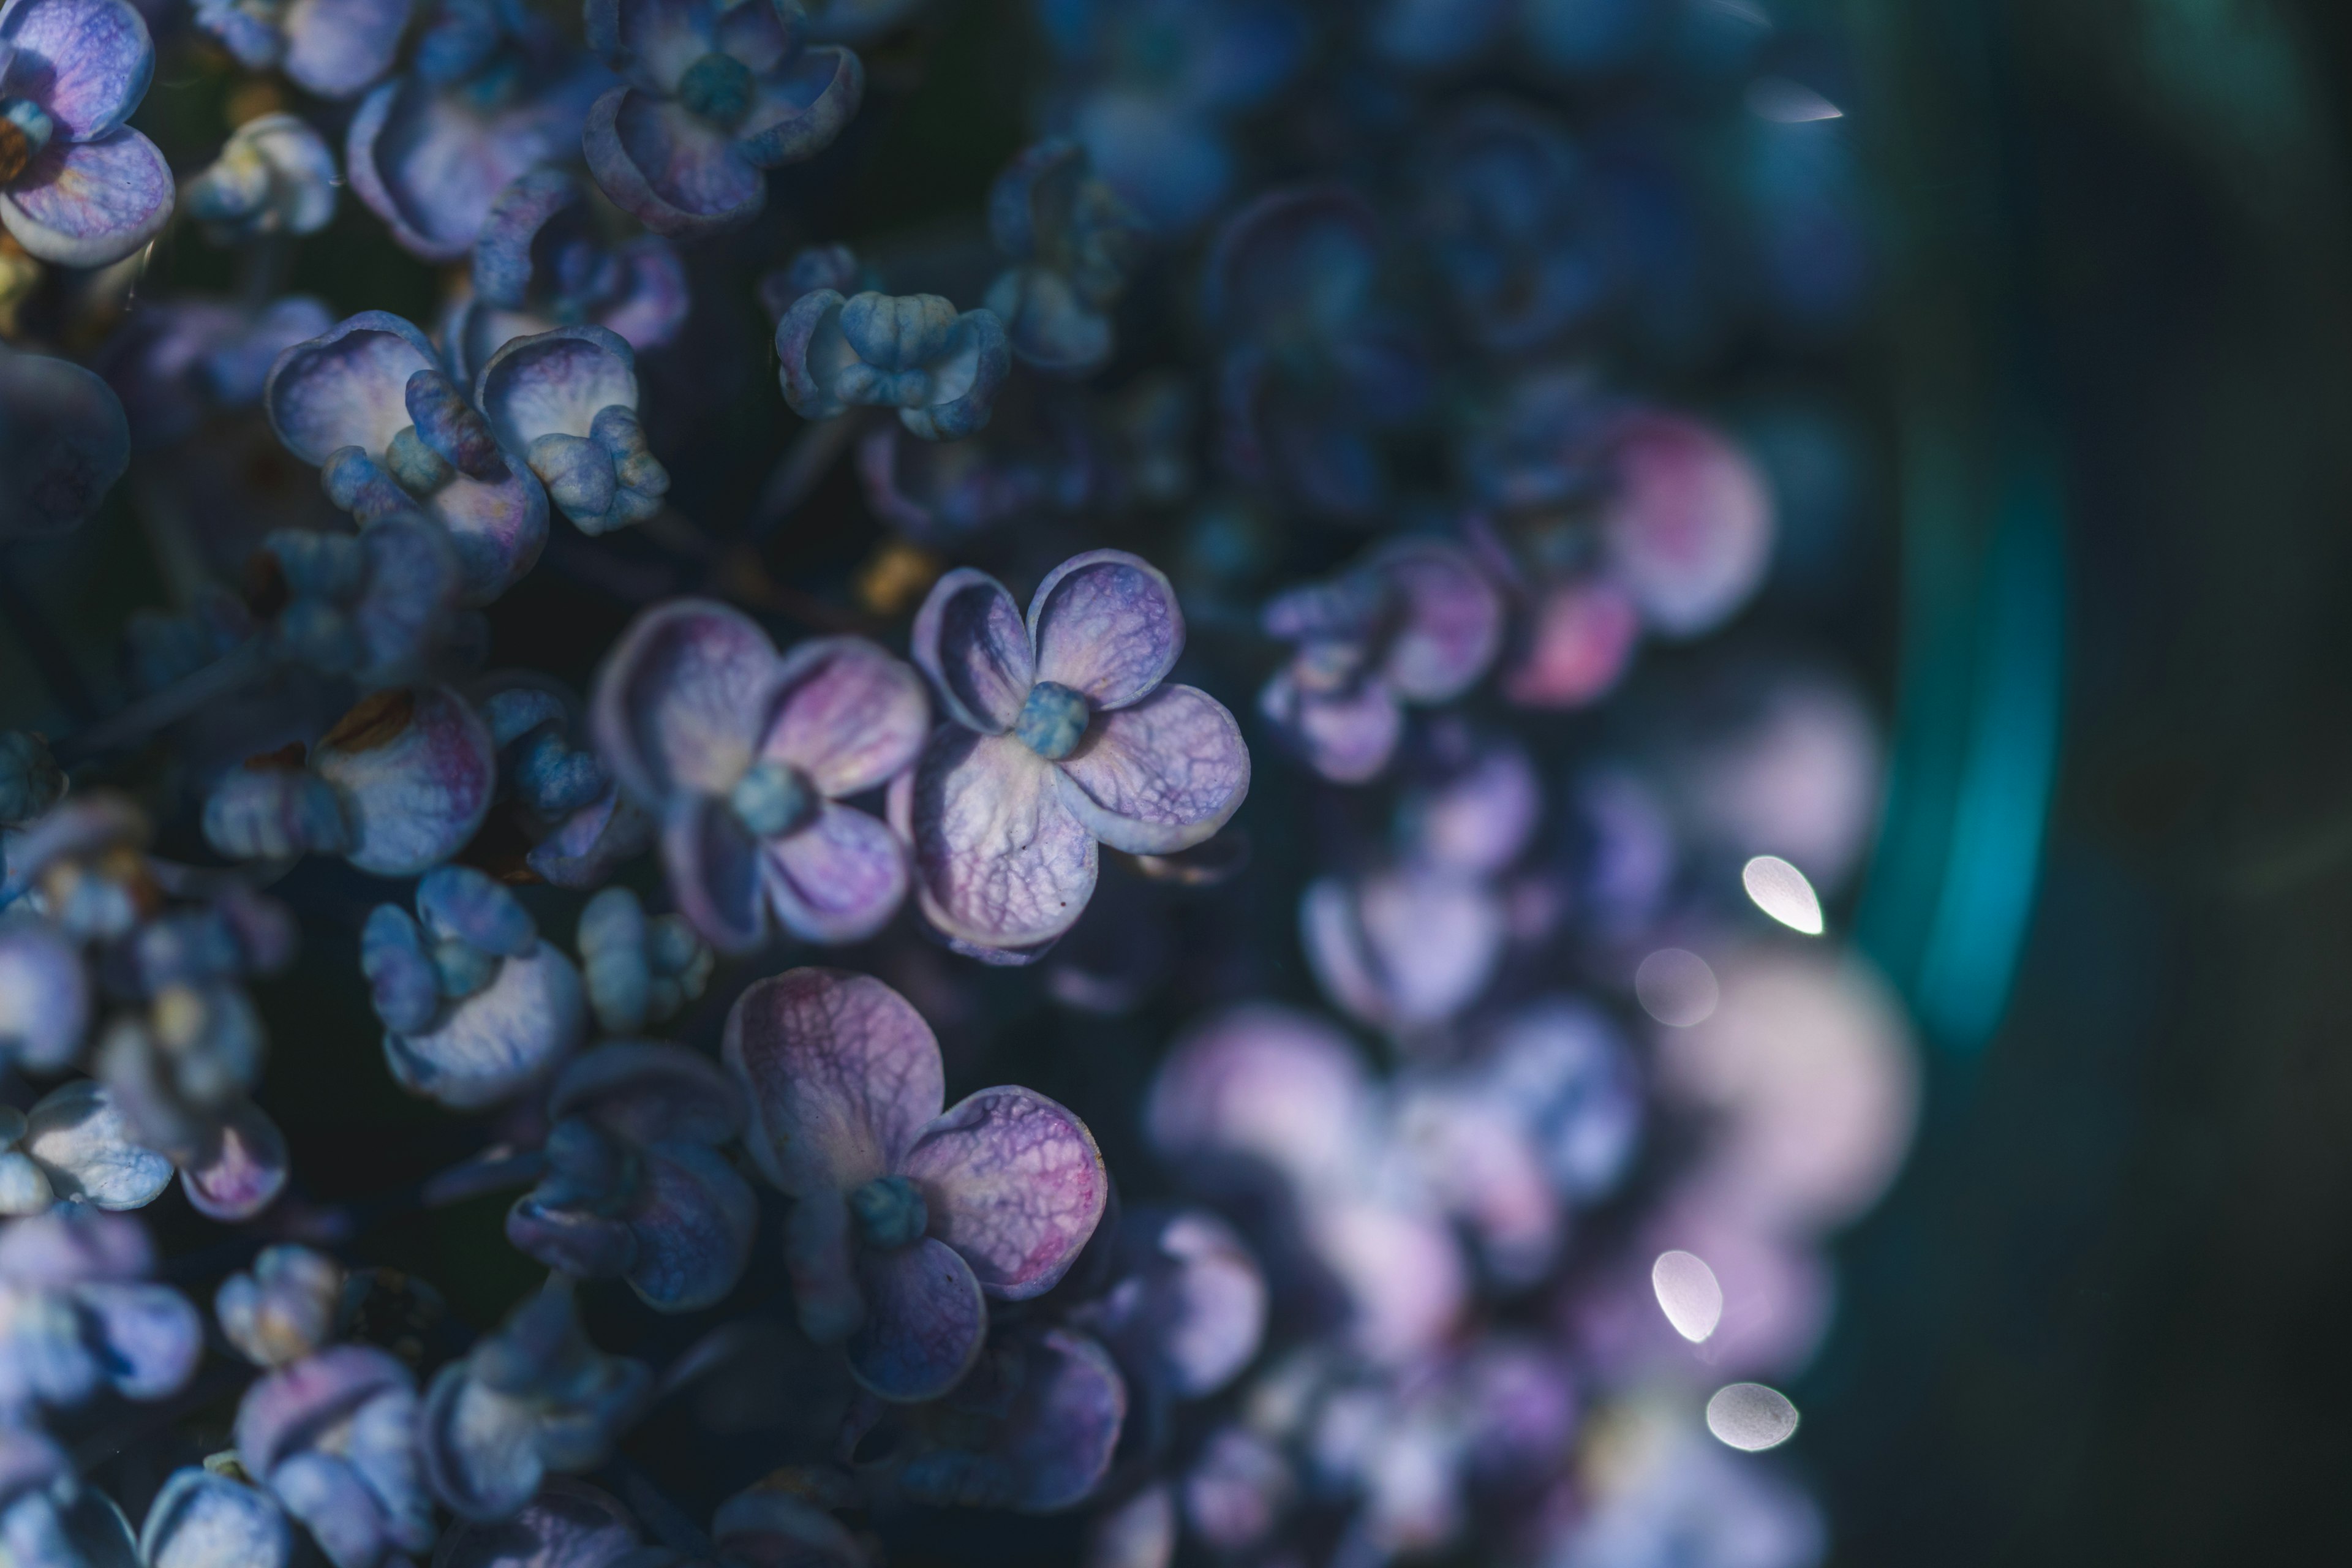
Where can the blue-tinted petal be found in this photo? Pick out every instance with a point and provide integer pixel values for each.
(273, 812)
(401, 985)
(481, 1448)
(1401, 950)
(842, 1073)
(500, 1041)
(86, 203)
(1106, 625)
(63, 443)
(153, 1338)
(714, 867)
(694, 1220)
(338, 48)
(963, 383)
(244, 1171)
(45, 1002)
(968, 638)
(837, 879)
(341, 1514)
(677, 174)
(274, 175)
(285, 1309)
(431, 162)
(77, 1135)
(925, 1322)
(204, 1519)
(652, 42)
(348, 387)
(650, 1094)
(86, 62)
(1161, 776)
(681, 699)
(415, 770)
(569, 1525)
(463, 902)
(555, 382)
(797, 111)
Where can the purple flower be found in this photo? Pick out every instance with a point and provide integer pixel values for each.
(636, 1187)
(275, 175)
(912, 352)
(76, 1145)
(905, 1218)
(77, 1315)
(580, 822)
(63, 438)
(180, 1080)
(175, 362)
(565, 402)
(45, 996)
(1062, 736)
(1416, 623)
(334, 1438)
(540, 263)
(77, 186)
(712, 97)
(203, 1519)
(1681, 1487)
(1033, 1428)
(83, 863)
(533, 1397)
(745, 758)
(336, 48)
(1188, 1311)
(368, 403)
(1688, 530)
(1071, 241)
(285, 1309)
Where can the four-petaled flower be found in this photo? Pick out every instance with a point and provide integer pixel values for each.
(77, 185)
(913, 352)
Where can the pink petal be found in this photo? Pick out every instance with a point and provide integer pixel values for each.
(1689, 532)
(843, 1075)
(1014, 1184)
(1106, 623)
(850, 716)
(1160, 776)
(1000, 859)
(1578, 647)
(969, 639)
(1452, 621)
(925, 1322)
(838, 879)
(246, 1172)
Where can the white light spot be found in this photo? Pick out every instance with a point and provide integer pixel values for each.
(1786, 103)
(1677, 987)
(1751, 1418)
(1687, 1293)
(1781, 891)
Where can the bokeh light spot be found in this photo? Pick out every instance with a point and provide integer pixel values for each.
(1751, 1418)
(1688, 1293)
(1677, 987)
(1781, 891)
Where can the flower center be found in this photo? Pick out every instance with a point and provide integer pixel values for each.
(718, 86)
(891, 1213)
(25, 130)
(1052, 720)
(772, 799)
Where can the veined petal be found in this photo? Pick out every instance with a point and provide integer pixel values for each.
(679, 703)
(925, 1322)
(714, 872)
(843, 1072)
(797, 112)
(86, 62)
(1000, 859)
(838, 879)
(81, 1141)
(848, 714)
(694, 1218)
(347, 388)
(86, 203)
(677, 174)
(1014, 1183)
(415, 770)
(970, 640)
(555, 382)
(1106, 623)
(1160, 776)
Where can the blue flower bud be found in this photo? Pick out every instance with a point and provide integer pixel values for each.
(460, 971)
(1052, 720)
(420, 469)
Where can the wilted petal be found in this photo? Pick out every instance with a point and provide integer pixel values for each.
(86, 203)
(968, 638)
(555, 383)
(204, 1519)
(1450, 620)
(153, 1338)
(843, 1075)
(44, 996)
(1106, 623)
(1014, 1183)
(244, 1171)
(415, 771)
(677, 174)
(570, 1524)
(838, 879)
(848, 715)
(1000, 859)
(650, 1094)
(1160, 776)
(694, 1220)
(86, 62)
(714, 872)
(348, 387)
(925, 1322)
(497, 1042)
(64, 441)
(82, 1142)
(681, 698)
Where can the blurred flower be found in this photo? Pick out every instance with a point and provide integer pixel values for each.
(1071, 241)
(78, 1316)
(1033, 1428)
(1187, 1311)
(63, 438)
(335, 48)
(44, 1000)
(1509, 224)
(77, 185)
(274, 175)
(638, 971)
(285, 1309)
(580, 822)
(47, 1519)
(334, 1438)
(177, 361)
(180, 1081)
(203, 1519)
(912, 352)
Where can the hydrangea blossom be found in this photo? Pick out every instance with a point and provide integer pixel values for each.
(580, 822)
(1071, 241)
(905, 1218)
(639, 971)
(77, 185)
(336, 48)
(913, 352)
(1061, 735)
(81, 1316)
(45, 996)
(75, 1145)
(275, 175)
(565, 402)
(285, 1309)
(334, 1439)
(203, 1519)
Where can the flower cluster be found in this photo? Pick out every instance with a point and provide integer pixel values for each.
(707, 957)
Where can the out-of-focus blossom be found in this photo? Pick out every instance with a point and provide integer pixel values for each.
(711, 99)
(1656, 1486)
(77, 186)
(334, 1438)
(203, 1519)
(580, 821)
(533, 1397)
(274, 175)
(638, 971)
(75, 1145)
(45, 996)
(1063, 734)
(80, 1315)
(285, 1309)
(810, 268)
(50, 1520)
(85, 865)
(1188, 1311)
(567, 1524)
(1510, 226)
(913, 352)
(1033, 1428)
(1688, 527)
(905, 1218)
(1071, 240)
(30, 779)
(380, 606)
(476, 1008)
(1417, 623)
(635, 1186)
(64, 439)
(177, 361)
(336, 48)
(180, 1078)
(746, 757)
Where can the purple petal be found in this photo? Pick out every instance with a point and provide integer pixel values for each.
(479, 1446)
(714, 872)
(1403, 1271)
(849, 716)
(348, 387)
(679, 701)
(843, 1075)
(1000, 859)
(1191, 1307)
(497, 1042)
(1067, 1412)
(86, 203)
(1014, 1184)
(586, 845)
(1106, 623)
(1479, 820)
(655, 304)
(838, 879)
(153, 1338)
(283, 1410)
(677, 174)
(650, 1094)
(582, 1244)
(1578, 647)
(1161, 776)
(497, 528)
(555, 382)
(1348, 735)
(65, 439)
(1689, 532)
(340, 1511)
(1401, 950)
(86, 62)
(1281, 1086)
(925, 1322)
(970, 640)
(570, 1524)
(246, 1170)
(1450, 620)
(1140, 1532)
(652, 42)
(798, 111)
(694, 1220)
(430, 162)
(338, 48)
(415, 770)
(44, 996)
(204, 1519)
(67, 1246)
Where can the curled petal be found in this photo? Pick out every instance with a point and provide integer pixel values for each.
(204, 1519)
(415, 770)
(650, 1094)
(1107, 623)
(555, 382)
(679, 701)
(838, 879)
(503, 263)
(347, 388)
(848, 714)
(87, 63)
(843, 1075)
(797, 112)
(694, 1220)
(1000, 859)
(714, 873)
(153, 1338)
(86, 203)
(1450, 620)
(480, 1448)
(677, 174)
(1014, 1183)
(1161, 776)
(44, 1000)
(925, 1322)
(244, 1171)
(499, 1041)
(429, 162)
(82, 1142)
(968, 638)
